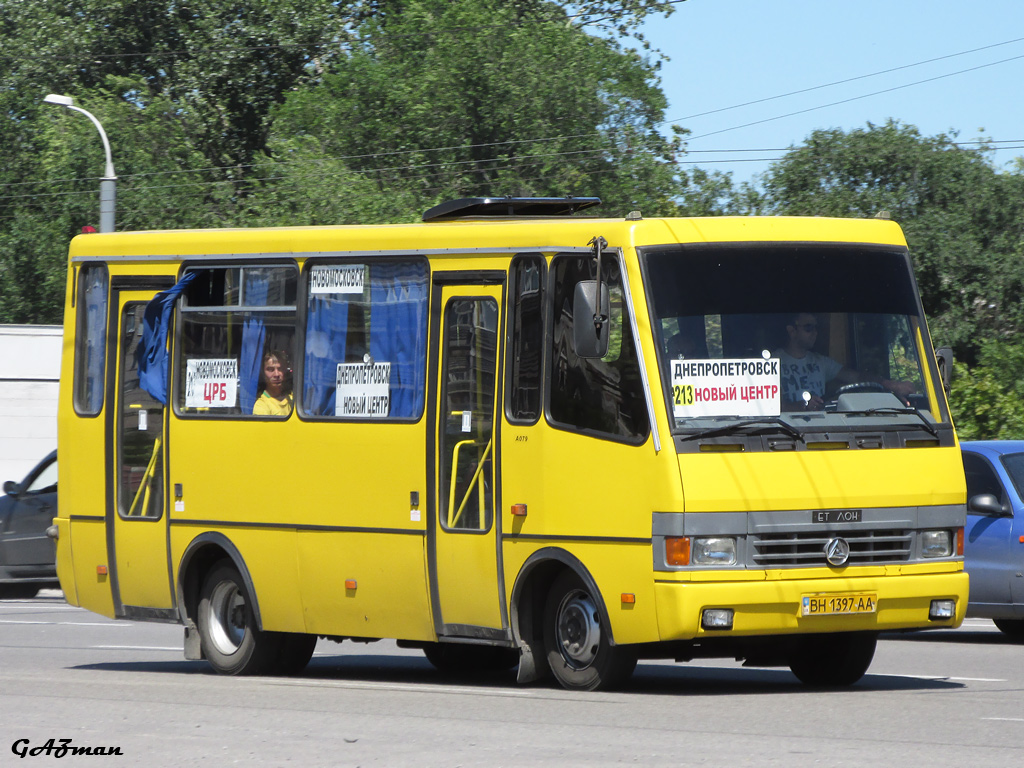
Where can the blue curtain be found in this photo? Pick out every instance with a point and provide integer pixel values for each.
(95, 288)
(151, 355)
(254, 293)
(398, 331)
(326, 330)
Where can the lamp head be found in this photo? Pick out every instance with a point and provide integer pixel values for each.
(56, 98)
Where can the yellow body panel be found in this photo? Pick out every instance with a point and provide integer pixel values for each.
(738, 482)
(309, 505)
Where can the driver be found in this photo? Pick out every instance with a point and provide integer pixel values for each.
(805, 371)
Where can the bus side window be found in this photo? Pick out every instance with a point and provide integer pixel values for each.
(90, 339)
(231, 318)
(365, 350)
(602, 395)
(526, 338)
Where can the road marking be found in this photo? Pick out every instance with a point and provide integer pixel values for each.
(943, 677)
(135, 648)
(410, 688)
(69, 623)
(1006, 719)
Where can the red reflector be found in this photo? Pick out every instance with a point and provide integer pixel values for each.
(519, 510)
(350, 583)
(88, 229)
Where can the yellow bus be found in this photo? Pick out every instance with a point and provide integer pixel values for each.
(511, 435)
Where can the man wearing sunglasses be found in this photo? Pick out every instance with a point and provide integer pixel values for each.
(806, 373)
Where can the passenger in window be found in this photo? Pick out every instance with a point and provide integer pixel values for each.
(805, 373)
(275, 396)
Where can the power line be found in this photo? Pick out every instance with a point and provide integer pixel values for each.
(854, 98)
(514, 142)
(847, 80)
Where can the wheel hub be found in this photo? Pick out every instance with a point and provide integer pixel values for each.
(578, 630)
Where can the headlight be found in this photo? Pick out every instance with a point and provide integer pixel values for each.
(719, 550)
(936, 544)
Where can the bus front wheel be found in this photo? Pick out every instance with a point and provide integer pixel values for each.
(833, 660)
(231, 641)
(576, 641)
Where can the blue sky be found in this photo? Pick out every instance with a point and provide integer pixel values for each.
(725, 53)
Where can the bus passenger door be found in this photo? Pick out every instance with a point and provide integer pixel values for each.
(466, 586)
(136, 495)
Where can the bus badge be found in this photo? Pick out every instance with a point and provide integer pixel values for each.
(837, 551)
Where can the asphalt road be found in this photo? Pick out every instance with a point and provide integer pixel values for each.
(946, 698)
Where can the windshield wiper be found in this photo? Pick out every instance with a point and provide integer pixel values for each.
(909, 410)
(764, 424)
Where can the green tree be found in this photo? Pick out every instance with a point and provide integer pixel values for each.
(988, 399)
(325, 111)
(449, 100)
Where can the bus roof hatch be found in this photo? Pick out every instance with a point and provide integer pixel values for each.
(475, 207)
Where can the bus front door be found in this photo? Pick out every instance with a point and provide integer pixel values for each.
(136, 497)
(466, 584)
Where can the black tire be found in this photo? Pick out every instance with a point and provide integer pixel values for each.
(467, 660)
(231, 641)
(833, 660)
(576, 640)
(18, 591)
(295, 649)
(1011, 627)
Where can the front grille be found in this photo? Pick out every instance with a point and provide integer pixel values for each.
(808, 548)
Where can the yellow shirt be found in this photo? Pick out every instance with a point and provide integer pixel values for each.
(270, 406)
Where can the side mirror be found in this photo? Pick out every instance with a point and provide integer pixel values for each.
(11, 488)
(944, 358)
(986, 504)
(590, 321)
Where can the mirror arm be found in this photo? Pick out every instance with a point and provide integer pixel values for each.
(598, 244)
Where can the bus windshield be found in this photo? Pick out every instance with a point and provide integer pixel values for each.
(826, 336)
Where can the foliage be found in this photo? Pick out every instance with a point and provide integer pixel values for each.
(239, 113)
(424, 110)
(988, 399)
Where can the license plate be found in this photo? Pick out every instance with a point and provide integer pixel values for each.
(831, 605)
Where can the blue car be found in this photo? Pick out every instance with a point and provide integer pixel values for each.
(994, 536)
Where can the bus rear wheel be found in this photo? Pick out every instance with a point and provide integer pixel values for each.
(579, 652)
(833, 660)
(231, 641)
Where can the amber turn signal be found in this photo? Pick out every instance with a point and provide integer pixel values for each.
(677, 550)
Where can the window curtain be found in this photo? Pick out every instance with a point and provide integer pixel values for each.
(151, 355)
(398, 331)
(95, 289)
(255, 287)
(326, 332)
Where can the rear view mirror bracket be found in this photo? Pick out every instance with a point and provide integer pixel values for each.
(591, 310)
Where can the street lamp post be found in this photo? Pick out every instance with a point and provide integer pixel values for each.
(108, 183)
